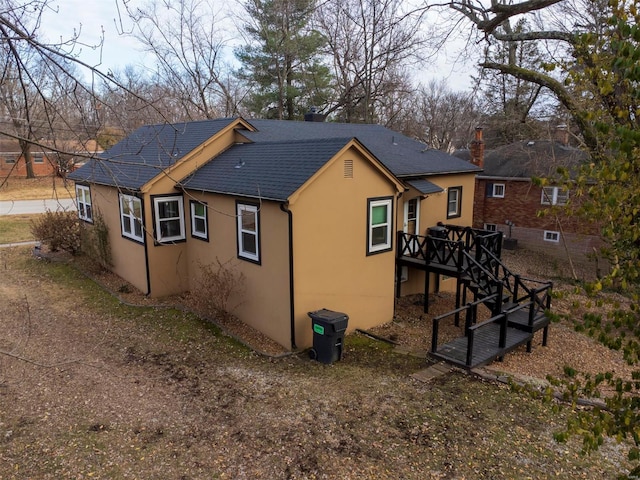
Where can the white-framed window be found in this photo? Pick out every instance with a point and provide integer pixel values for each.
(554, 196)
(550, 236)
(380, 215)
(498, 190)
(83, 198)
(169, 218)
(491, 227)
(454, 202)
(10, 160)
(38, 158)
(248, 216)
(199, 223)
(131, 217)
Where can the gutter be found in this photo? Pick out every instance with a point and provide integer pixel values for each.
(285, 208)
(504, 179)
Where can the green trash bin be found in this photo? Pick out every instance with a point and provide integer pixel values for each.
(328, 335)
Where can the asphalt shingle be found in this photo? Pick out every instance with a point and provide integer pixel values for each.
(146, 152)
(269, 170)
(282, 155)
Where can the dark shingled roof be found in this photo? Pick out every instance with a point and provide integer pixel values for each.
(528, 159)
(269, 170)
(403, 156)
(142, 155)
(283, 155)
(425, 187)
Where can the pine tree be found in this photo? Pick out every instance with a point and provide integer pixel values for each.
(283, 62)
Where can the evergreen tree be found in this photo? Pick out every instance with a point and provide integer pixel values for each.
(283, 63)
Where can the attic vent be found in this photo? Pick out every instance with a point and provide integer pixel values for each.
(348, 169)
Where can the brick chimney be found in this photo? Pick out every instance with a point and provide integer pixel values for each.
(562, 134)
(477, 149)
(314, 116)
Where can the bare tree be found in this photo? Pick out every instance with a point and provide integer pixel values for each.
(370, 42)
(45, 100)
(445, 119)
(556, 28)
(185, 37)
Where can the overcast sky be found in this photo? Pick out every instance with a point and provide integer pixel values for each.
(93, 17)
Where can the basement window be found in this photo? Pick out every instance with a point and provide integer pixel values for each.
(550, 236)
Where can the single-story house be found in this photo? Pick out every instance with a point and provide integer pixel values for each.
(306, 211)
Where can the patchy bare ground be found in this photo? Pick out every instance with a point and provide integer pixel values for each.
(90, 388)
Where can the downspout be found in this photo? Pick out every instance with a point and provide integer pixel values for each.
(146, 264)
(284, 207)
(146, 248)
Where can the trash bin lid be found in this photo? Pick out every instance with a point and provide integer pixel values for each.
(328, 315)
(337, 320)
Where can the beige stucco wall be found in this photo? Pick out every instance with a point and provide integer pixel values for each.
(433, 209)
(264, 301)
(128, 257)
(169, 269)
(332, 269)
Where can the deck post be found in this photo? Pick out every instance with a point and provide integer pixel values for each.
(503, 331)
(434, 336)
(458, 292)
(469, 359)
(426, 291)
(398, 279)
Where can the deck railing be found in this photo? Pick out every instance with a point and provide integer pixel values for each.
(520, 288)
(446, 250)
(500, 344)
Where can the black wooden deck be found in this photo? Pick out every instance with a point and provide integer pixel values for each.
(518, 306)
(485, 346)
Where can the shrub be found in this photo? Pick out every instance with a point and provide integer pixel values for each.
(95, 241)
(217, 284)
(58, 231)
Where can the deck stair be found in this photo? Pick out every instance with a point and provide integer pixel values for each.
(515, 307)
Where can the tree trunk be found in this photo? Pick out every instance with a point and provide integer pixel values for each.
(25, 149)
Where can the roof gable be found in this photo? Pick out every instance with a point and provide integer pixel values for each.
(150, 150)
(266, 170)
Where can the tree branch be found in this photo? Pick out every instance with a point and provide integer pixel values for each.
(564, 96)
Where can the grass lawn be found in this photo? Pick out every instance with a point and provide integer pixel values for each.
(35, 188)
(16, 228)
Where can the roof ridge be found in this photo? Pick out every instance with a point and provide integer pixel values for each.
(345, 139)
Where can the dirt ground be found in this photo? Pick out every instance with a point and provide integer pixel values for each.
(92, 388)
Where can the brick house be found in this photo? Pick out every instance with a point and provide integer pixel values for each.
(44, 162)
(507, 200)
